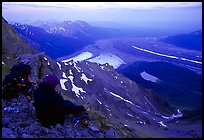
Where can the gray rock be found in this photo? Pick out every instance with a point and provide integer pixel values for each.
(8, 133)
(58, 126)
(100, 135)
(85, 133)
(110, 133)
(36, 132)
(26, 136)
(93, 128)
(5, 121)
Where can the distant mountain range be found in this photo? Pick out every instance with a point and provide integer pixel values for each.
(66, 37)
(192, 41)
(50, 43)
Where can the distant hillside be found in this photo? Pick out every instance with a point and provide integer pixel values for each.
(179, 86)
(192, 41)
(53, 45)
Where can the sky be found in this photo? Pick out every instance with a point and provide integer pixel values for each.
(174, 15)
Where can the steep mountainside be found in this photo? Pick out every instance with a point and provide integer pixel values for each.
(179, 86)
(192, 41)
(12, 46)
(118, 106)
(53, 45)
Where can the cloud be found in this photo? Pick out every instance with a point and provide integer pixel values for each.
(104, 5)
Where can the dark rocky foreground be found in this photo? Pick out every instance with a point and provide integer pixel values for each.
(19, 121)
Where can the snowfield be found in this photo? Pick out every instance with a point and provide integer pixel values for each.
(149, 77)
(80, 57)
(103, 58)
(108, 58)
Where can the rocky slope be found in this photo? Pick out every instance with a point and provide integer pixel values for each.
(12, 46)
(118, 106)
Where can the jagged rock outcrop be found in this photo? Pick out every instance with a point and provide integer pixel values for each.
(12, 46)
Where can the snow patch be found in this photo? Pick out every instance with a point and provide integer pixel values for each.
(61, 28)
(77, 68)
(149, 77)
(102, 67)
(99, 101)
(60, 67)
(62, 81)
(64, 75)
(140, 122)
(125, 125)
(129, 114)
(162, 124)
(80, 57)
(109, 58)
(66, 64)
(179, 115)
(121, 98)
(83, 77)
(70, 71)
(76, 89)
(45, 58)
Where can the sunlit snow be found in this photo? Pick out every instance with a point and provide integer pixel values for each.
(83, 77)
(77, 68)
(98, 101)
(61, 28)
(129, 114)
(45, 58)
(64, 75)
(70, 71)
(162, 124)
(62, 81)
(102, 67)
(180, 114)
(80, 57)
(121, 98)
(75, 88)
(108, 58)
(149, 77)
(60, 67)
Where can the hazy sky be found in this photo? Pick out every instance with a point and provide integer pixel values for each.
(149, 14)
